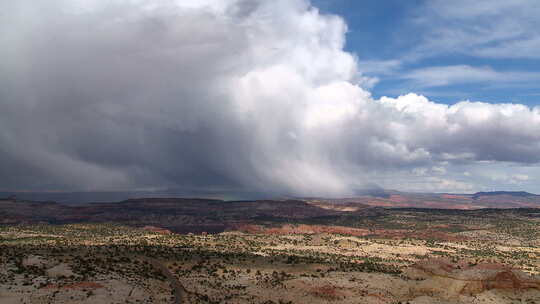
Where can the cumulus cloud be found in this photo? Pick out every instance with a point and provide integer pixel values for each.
(234, 94)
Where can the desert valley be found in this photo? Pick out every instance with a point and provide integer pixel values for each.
(168, 250)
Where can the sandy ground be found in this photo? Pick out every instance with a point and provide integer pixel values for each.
(250, 275)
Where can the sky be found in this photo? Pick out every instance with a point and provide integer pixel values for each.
(288, 97)
(446, 50)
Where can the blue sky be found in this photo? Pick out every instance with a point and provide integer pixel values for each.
(446, 50)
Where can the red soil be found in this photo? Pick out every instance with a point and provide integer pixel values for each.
(327, 292)
(453, 196)
(397, 198)
(489, 275)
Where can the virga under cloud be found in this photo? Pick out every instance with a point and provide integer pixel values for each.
(234, 94)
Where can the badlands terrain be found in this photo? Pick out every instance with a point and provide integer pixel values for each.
(168, 250)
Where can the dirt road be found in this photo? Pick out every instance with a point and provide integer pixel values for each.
(180, 293)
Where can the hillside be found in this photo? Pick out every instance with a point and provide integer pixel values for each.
(479, 200)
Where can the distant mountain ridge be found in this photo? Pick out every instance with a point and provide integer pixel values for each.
(479, 200)
(511, 193)
(373, 198)
(196, 215)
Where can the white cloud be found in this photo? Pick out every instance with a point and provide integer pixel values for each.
(486, 28)
(231, 94)
(380, 67)
(510, 178)
(439, 170)
(450, 185)
(465, 74)
(420, 171)
(520, 177)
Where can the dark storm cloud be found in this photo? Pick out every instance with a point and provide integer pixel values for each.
(217, 95)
